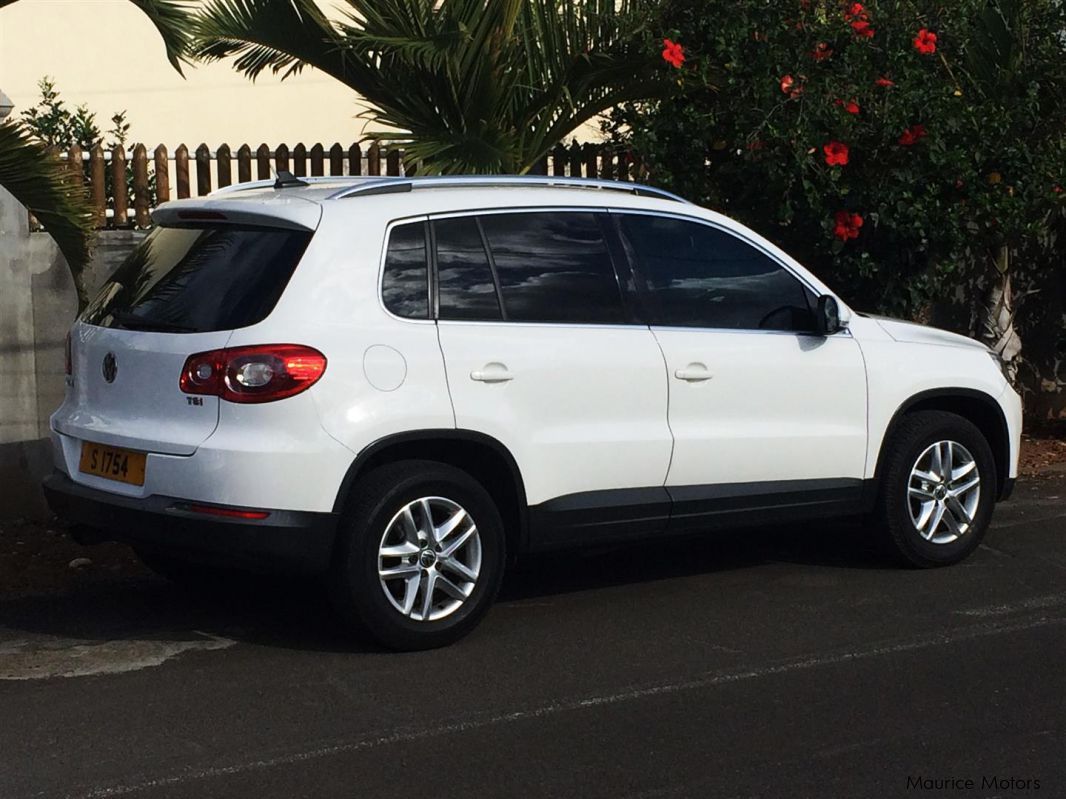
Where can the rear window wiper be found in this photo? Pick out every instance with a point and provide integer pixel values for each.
(131, 321)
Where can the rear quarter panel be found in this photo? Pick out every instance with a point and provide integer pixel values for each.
(332, 304)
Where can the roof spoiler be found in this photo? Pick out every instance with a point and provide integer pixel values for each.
(294, 214)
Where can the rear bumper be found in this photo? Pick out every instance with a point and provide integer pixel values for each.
(284, 541)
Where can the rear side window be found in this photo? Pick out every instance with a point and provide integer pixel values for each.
(465, 285)
(405, 284)
(699, 276)
(198, 279)
(554, 267)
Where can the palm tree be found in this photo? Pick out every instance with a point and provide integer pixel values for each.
(46, 186)
(1000, 67)
(481, 86)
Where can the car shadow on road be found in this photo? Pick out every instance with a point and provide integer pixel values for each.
(273, 612)
(296, 614)
(837, 544)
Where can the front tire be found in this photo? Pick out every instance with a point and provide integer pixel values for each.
(937, 491)
(420, 555)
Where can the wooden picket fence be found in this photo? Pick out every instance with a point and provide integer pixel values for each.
(125, 185)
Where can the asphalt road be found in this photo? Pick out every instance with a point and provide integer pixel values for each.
(788, 662)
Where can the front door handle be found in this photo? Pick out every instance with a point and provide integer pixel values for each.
(492, 373)
(693, 373)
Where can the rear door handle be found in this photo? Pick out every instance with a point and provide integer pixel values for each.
(492, 373)
(693, 373)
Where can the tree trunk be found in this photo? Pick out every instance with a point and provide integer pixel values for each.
(997, 323)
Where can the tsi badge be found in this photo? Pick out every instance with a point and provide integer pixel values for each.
(110, 367)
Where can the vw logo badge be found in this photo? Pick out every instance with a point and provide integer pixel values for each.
(110, 367)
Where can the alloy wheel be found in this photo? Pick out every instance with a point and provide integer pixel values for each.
(943, 492)
(429, 558)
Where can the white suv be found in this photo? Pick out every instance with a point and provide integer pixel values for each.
(404, 383)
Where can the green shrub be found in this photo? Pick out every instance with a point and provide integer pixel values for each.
(953, 141)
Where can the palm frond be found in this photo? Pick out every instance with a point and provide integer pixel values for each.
(171, 19)
(463, 85)
(50, 190)
(281, 36)
(996, 55)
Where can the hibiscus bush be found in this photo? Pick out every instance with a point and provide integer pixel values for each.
(910, 152)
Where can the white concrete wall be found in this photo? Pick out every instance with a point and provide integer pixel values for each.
(37, 306)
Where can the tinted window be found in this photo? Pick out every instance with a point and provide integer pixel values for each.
(554, 267)
(405, 284)
(465, 285)
(199, 279)
(699, 276)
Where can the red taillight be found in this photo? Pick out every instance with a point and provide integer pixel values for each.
(68, 366)
(262, 373)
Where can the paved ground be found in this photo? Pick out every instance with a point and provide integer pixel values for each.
(785, 662)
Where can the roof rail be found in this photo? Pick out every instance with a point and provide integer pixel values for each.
(362, 185)
(272, 183)
(394, 185)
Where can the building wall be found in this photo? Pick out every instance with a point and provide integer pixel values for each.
(106, 54)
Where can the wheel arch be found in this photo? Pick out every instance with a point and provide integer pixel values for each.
(480, 455)
(975, 406)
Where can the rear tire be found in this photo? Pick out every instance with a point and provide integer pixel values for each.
(937, 491)
(410, 527)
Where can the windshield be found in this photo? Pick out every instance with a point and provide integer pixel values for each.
(199, 279)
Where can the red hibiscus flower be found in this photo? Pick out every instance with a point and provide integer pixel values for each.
(862, 29)
(925, 42)
(884, 82)
(673, 53)
(836, 153)
(855, 11)
(790, 87)
(821, 51)
(912, 135)
(850, 106)
(847, 225)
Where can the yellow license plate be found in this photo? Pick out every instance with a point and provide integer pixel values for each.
(112, 463)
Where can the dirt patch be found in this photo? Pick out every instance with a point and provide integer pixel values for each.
(1042, 456)
(38, 558)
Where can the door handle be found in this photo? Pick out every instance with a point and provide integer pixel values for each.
(693, 373)
(492, 373)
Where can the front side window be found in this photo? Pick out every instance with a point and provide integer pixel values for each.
(554, 266)
(405, 283)
(696, 275)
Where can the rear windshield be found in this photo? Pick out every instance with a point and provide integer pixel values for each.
(198, 279)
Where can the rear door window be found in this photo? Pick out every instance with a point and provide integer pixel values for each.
(554, 267)
(466, 287)
(199, 279)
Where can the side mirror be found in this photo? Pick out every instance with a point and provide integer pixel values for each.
(827, 319)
